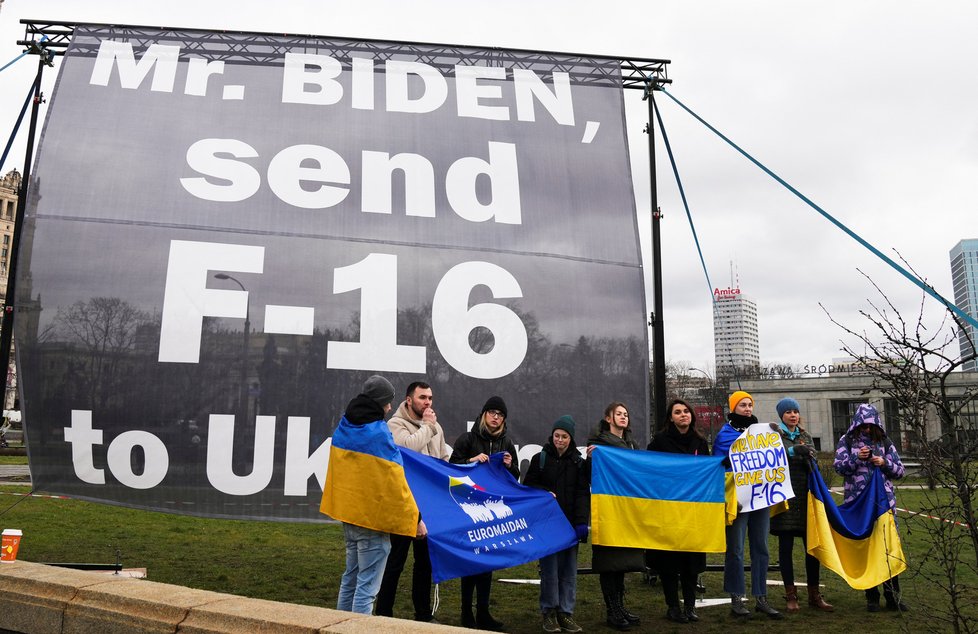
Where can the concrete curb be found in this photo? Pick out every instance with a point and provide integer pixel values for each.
(35, 598)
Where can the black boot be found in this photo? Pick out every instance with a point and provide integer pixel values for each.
(616, 619)
(484, 620)
(468, 620)
(633, 619)
(675, 614)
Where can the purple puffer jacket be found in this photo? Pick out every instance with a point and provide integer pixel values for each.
(856, 471)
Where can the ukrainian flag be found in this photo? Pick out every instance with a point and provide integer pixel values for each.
(661, 501)
(858, 540)
(365, 482)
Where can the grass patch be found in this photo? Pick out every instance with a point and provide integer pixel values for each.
(13, 460)
(302, 563)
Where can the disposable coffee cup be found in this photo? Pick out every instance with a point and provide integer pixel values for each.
(9, 545)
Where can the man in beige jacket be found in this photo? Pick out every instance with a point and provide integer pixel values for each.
(415, 426)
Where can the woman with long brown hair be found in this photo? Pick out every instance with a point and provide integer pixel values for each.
(611, 562)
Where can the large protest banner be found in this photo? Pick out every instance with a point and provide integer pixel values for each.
(228, 232)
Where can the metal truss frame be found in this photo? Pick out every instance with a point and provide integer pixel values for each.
(238, 47)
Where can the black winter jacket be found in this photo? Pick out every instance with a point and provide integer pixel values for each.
(564, 476)
(474, 442)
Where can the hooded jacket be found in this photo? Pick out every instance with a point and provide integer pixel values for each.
(856, 470)
(417, 435)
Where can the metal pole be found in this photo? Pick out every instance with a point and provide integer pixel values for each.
(243, 388)
(658, 337)
(7, 323)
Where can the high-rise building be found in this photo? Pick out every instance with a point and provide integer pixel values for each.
(964, 278)
(735, 340)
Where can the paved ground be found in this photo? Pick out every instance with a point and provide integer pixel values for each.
(15, 474)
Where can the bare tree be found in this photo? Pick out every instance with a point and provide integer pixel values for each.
(106, 329)
(915, 364)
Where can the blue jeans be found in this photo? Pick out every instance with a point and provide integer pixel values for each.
(366, 557)
(753, 525)
(558, 581)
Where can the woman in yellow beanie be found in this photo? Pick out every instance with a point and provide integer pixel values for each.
(753, 525)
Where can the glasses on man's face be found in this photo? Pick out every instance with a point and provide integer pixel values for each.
(495, 413)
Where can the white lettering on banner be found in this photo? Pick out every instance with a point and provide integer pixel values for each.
(82, 437)
(288, 171)
(452, 320)
(299, 463)
(419, 183)
(504, 177)
(399, 99)
(558, 103)
(198, 72)
(296, 77)
(244, 180)
(470, 92)
(759, 463)
(220, 443)
(187, 300)
(162, 59)
(313, 79)
(156, 461)
(287, 176)
(376, 277)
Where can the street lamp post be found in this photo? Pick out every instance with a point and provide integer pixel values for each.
(243, 389)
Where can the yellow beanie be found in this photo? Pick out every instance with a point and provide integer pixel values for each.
(737, 397)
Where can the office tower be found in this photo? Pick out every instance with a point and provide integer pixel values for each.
(964, 278)
(735, 339)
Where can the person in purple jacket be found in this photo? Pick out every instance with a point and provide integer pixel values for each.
(861, 449)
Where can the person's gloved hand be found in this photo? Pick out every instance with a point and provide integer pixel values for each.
(775, 427)
(805, 451)
(581, 530)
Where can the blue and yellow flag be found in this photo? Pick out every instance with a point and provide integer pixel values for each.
(663, 501)
(365, 483)
(858, 540)
(480, 518)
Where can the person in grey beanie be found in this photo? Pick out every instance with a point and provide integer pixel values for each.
(366, 549)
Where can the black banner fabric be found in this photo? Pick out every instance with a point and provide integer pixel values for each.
(229, 232)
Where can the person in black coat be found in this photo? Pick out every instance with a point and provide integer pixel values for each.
(559, 469)
(679, 568)
(612, 562)
(488, 436)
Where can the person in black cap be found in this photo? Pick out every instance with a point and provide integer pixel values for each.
(487, 436)
(559, 469)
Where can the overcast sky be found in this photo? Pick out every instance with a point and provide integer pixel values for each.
(868, 108)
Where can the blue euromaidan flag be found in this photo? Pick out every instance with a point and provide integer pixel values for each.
(479, 518)
(858, 540)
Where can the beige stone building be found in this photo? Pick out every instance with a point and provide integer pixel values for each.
(9, 192)
(828, 402)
